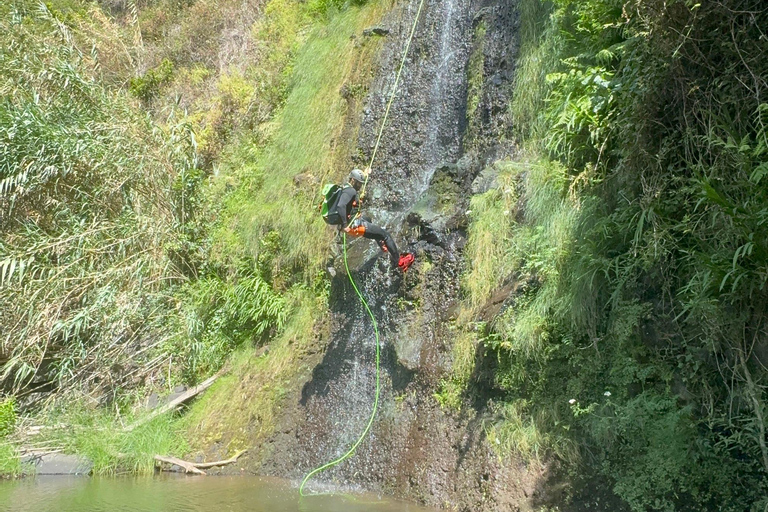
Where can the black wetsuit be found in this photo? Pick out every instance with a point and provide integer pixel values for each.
(348, 206)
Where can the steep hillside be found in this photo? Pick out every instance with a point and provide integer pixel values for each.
(582, 183)
(448, 124)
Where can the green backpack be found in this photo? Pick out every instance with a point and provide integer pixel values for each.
(331, 193)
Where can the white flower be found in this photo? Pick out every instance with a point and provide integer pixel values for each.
(506, 212)
(469, 211)
(607, 393)
(572, 401)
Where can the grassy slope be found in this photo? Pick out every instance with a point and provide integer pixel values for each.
(240, 409)
(257, 244)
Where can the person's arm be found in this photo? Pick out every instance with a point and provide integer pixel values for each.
(342, 206)
(366, 172)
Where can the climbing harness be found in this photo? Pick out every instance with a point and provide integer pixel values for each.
(359, 440)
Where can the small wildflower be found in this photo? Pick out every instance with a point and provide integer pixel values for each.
(607, 393)
(497, 441)
(572, 401)
(469, 211)
(506, 212)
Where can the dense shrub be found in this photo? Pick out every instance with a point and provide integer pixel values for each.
(640, 333)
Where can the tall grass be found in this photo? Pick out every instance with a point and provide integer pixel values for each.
(242, 407)
(105, 276)
(104, 439)
(10, 462)
(300, 140)
(217, 316)
(95, 204)
(539, 51)
(527, 433)
(488, 253)
(268, 183)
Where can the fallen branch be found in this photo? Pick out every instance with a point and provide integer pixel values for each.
(196, 467)
(188, 466)
(173, 404)
(45, 449)
(206, 465)
(34, 430)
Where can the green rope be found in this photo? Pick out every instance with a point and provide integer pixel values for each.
(351, 451)
(392, 96)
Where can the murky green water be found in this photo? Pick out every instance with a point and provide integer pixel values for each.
(171, 493)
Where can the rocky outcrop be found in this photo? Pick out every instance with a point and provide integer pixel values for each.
(57, 464)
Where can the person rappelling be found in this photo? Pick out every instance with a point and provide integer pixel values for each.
(341, 208)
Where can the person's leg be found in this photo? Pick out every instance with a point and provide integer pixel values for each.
(363, 227)
(383, 238)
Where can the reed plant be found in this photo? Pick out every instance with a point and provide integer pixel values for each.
(95, 206)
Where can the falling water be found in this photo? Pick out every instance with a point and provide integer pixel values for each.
(424, 130)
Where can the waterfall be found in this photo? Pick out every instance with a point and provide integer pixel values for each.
(424, 129)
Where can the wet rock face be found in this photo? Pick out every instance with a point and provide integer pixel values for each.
(57, 464)
(420, 188)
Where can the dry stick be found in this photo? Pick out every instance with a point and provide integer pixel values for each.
(754, 396)
(175, 402)
(34, 454)
(188, 466)
(196, 467)
(232, 460)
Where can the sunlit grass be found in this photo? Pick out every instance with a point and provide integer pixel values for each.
(303, 138)
(241, 408)
(454, 386)
(529, 434)
(10, 463)
(489, 251)
(115, 443)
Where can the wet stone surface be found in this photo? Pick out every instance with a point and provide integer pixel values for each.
(423, 180)
(58, 464)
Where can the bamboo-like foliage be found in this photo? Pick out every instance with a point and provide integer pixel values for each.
(93, 200)
(103, 269)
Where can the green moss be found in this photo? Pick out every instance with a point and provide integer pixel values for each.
(475, 79)
(449, 396)
(447, 192)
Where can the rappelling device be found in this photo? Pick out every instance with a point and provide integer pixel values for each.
(331, 195)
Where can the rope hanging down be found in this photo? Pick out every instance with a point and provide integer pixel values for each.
(351, 451)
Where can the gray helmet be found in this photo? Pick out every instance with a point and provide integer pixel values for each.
(357, 175)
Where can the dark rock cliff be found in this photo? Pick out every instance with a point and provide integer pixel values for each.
(447, 125)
